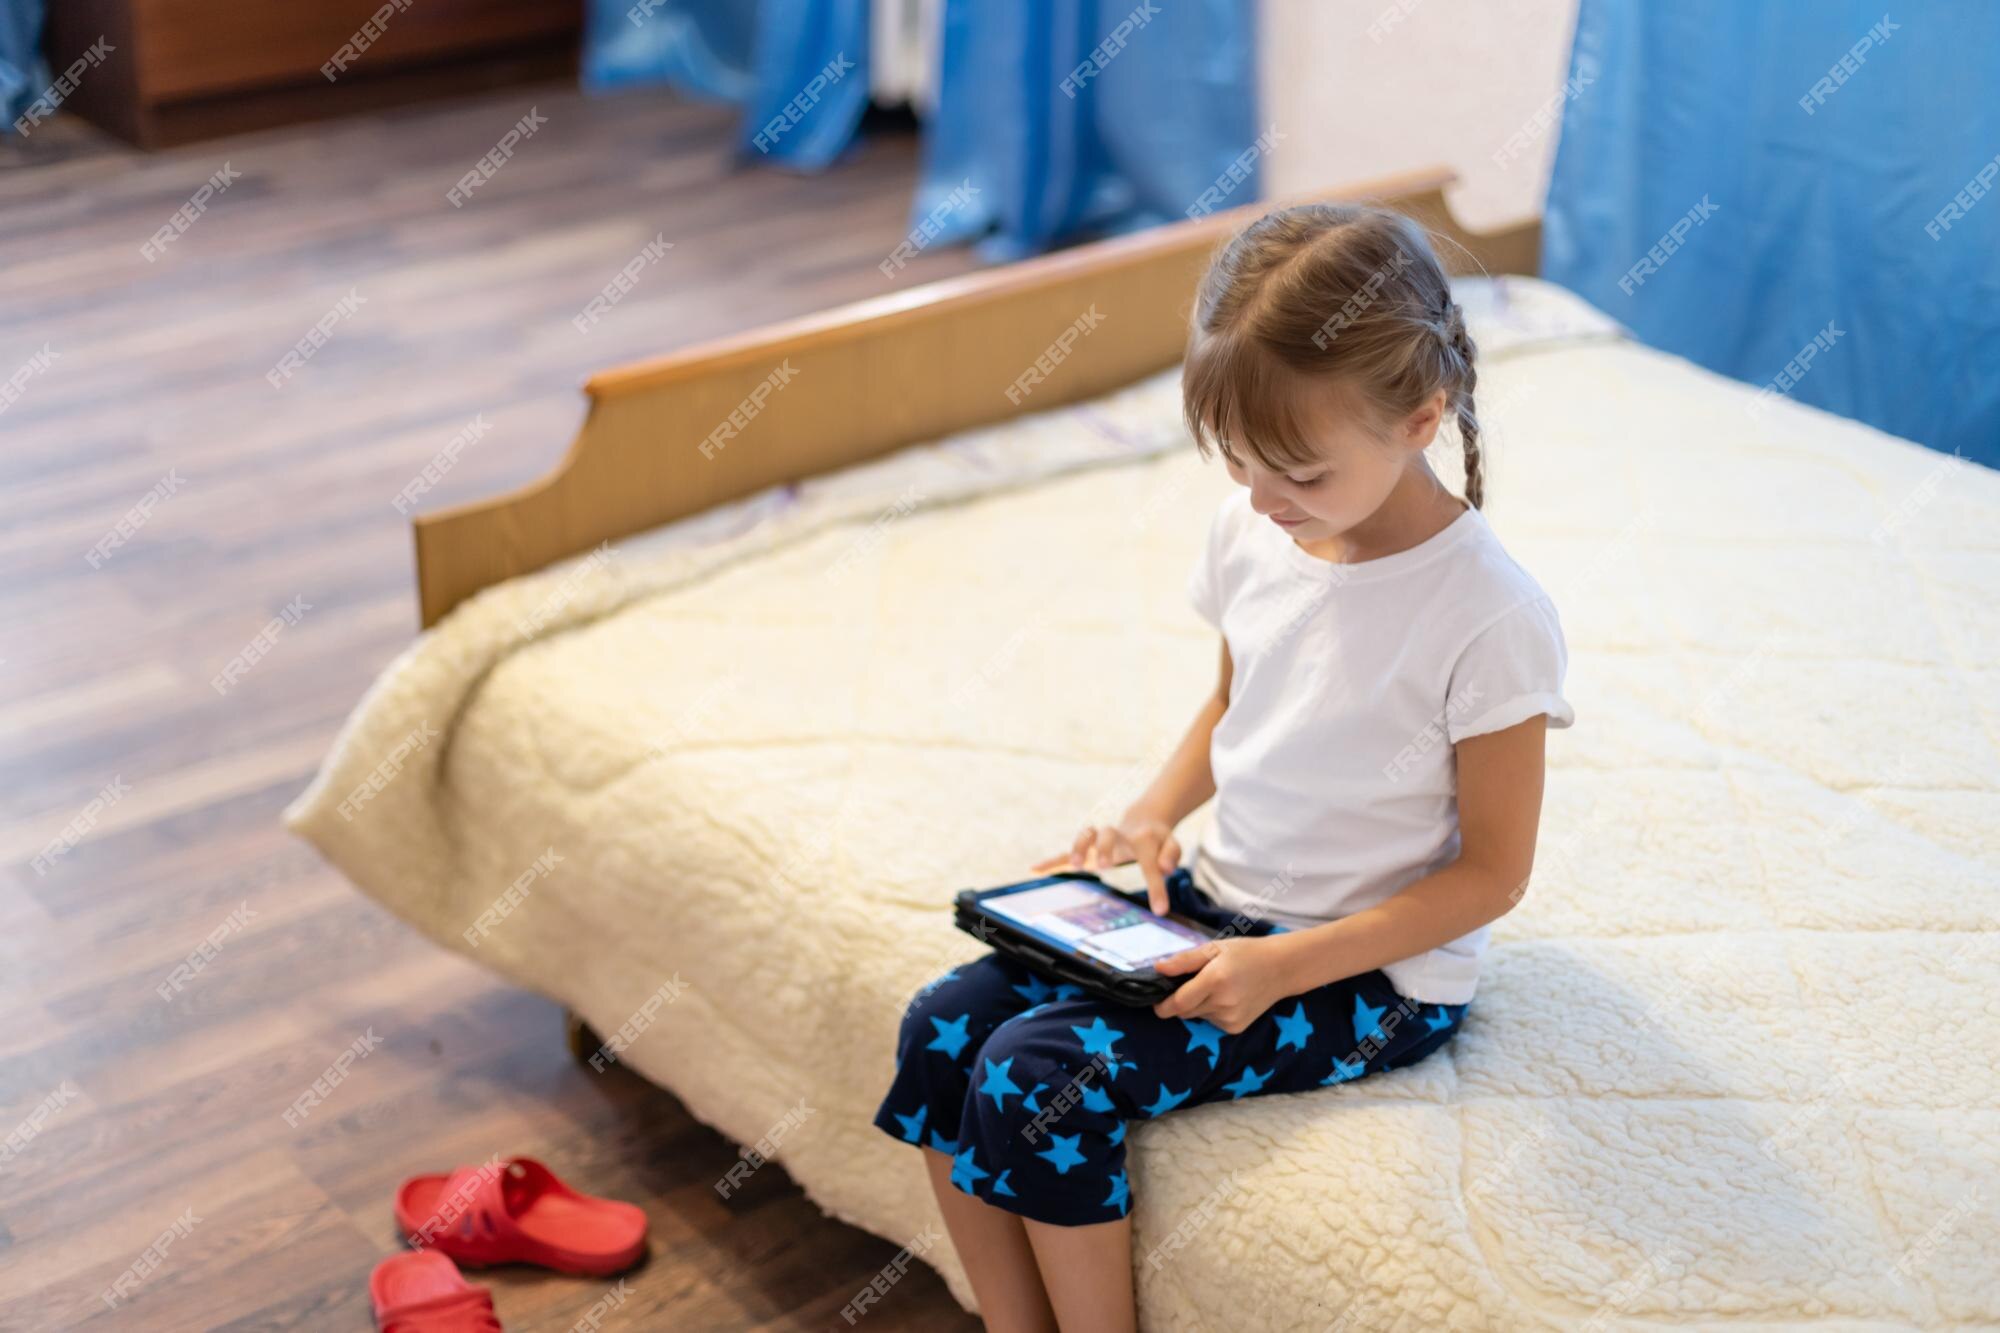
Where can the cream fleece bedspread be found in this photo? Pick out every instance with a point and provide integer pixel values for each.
(1735, 1059)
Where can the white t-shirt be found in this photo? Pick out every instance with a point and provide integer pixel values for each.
(1335, 785)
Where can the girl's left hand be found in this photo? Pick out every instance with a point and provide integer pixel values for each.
(1234, 982)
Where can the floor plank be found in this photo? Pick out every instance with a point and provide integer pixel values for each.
(165, 1102)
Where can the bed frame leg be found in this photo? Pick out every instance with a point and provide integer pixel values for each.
(580, 1037)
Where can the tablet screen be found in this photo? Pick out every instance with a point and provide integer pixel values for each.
(1091, 920)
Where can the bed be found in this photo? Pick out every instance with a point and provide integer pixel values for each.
(837, 618)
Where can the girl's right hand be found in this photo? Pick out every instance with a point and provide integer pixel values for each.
(1141, 838)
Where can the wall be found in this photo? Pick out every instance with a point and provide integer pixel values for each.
(1367, 87)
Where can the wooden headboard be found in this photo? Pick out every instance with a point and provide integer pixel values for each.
(678, 434)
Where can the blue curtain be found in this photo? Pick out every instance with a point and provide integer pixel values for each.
(23, 77)
(1078, 116)
(798, 68)
(1740, 183)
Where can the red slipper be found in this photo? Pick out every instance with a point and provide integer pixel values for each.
(518, 1212)
(424, 1293)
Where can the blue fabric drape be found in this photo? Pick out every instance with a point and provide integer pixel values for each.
(1073, 116)
(23, 77)
(1742, 182)
(799, 68)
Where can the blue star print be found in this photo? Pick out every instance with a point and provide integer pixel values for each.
(1000, 1185)
(1343, 1072)
(1098, 1039)
(1096, 1099)
(1166, 1101)
(1439, 1021)
(1119, 1193)
(1294, 1028)
(1204, 1036)
(951, 1037)
(1250, 1081)
(1118, 1134)
(998, 1084)
(1034, 990)
(1028, 1102)
(964, 1172)
(913, 1125)
(1368, 1021)
(1062, 1153)
(949, 1147)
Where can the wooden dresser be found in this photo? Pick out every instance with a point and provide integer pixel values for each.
(174, 70)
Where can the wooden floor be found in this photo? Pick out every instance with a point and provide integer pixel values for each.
(157, 1110)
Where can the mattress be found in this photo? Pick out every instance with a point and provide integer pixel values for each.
(1733, 1062)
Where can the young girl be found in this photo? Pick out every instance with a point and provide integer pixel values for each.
(1374, 747)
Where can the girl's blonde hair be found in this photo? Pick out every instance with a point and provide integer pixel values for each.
(1321, 294)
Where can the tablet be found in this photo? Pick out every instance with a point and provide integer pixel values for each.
(1074, 927)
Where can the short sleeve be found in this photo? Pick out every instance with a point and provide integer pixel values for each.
(1512, 670)
(1204, 585)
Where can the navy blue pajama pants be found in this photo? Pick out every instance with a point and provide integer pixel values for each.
(1030, 1086)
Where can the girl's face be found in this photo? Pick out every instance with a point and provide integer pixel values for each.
(1359, 464)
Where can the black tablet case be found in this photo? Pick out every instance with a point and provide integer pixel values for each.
(1135, 989)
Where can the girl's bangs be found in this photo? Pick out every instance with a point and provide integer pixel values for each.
(1243, 400)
